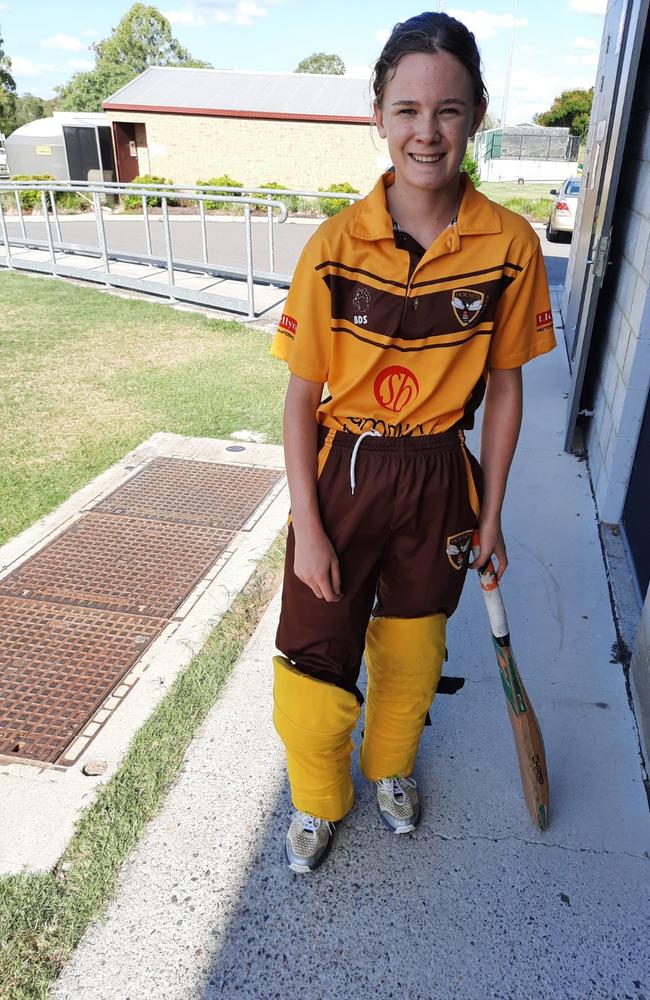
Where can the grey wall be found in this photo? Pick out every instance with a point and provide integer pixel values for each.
(622, 326)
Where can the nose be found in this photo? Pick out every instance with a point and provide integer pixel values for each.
(428, 131)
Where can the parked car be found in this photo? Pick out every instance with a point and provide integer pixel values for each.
(563, 214)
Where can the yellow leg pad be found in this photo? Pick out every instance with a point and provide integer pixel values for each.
(314, 720)
(404, 657)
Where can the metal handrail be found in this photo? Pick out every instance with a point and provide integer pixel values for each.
(96, 189)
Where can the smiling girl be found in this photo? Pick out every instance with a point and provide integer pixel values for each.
(412, 305)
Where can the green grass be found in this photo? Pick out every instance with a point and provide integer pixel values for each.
(86, 376)
(535, 210)
(43, 916)
(501, 191)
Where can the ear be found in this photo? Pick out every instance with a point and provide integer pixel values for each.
(479, 115)
(379, 119)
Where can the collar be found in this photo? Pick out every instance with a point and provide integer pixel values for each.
(476, 216)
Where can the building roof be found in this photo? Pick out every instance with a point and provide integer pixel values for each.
(226, 93)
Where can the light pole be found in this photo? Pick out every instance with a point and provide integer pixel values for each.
(504, 110)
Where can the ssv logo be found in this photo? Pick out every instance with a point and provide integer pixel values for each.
(395, 388)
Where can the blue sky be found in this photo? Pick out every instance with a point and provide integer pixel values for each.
(556, 43)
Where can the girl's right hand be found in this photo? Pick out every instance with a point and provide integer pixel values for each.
(317, 565)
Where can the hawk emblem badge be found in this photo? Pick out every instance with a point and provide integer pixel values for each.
(458, 548)
(467, 305)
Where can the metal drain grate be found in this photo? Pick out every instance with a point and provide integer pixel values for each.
(120, 564)
(76, 617)
(57, 666)
(187, 492)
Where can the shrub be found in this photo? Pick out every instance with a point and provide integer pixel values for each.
(71, 201)
(330, 206)
(30, 199)
(149, 180)
(534, 209)
(470, 166)
(291, 201)
(223, 181)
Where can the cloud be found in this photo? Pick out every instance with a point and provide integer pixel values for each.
(589, 6)
(186, 17)
(486, 25)
(82, 64)
(585, 43)
(581, 59)
(200, 12)
(532, 91)
(382, 35)
(62, 41)
(90, 33)
(23, 67)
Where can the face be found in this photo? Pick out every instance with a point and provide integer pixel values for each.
(427, 116)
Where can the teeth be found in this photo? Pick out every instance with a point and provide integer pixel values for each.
(426, 159)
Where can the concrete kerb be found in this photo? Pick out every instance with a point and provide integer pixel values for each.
(43, 802)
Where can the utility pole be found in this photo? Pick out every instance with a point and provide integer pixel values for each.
(504, 110)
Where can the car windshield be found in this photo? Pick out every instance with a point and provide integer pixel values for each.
(573, 187)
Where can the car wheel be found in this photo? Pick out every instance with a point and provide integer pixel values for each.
(551, 234)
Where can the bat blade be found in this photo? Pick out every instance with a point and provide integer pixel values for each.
(527, 734)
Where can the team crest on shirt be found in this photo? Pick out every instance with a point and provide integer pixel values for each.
(468, 305)
(361, 300)
(458, 547)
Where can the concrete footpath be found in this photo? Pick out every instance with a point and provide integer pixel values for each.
(477, 904)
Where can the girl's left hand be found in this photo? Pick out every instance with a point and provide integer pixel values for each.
(491, 543)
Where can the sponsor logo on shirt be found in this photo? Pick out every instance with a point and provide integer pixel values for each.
(458, 548)
(384, 427)
(361, 305)
(544, 321)
(468, 305)
(288, 325)
(395, 388)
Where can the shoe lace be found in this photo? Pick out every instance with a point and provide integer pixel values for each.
(395, 785)
(312, 823)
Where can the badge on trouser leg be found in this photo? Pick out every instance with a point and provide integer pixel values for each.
(404, 657)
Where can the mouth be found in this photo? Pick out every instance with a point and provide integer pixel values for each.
(420, 158)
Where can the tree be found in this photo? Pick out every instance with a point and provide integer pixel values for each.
(489, 121)
(320, 62)
(7, 93)
(30, 108)
(572, 108)
(143, 38)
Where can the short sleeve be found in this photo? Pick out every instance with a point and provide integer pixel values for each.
(304, 331)
(523, 327)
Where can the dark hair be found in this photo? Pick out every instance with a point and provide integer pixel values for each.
(429, 32)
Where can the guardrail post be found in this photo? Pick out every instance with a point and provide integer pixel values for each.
(250, 283)
(19, 206)
(101, 234)
(5, 236)
(269, 216)
(204, 232)
(55, 216)
(168, 244)
(48, 230)
(147, 231)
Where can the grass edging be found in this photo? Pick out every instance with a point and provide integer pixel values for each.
(43, 916)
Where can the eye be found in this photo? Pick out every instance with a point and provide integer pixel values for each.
(449, 111)
(406, 111)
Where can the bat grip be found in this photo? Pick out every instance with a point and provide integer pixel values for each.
(491, 593)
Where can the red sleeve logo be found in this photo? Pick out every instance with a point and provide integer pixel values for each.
(544, 319)
(288, 325)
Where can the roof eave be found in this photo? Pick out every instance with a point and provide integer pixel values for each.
(229, 113)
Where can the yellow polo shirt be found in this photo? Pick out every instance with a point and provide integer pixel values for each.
(406, 350)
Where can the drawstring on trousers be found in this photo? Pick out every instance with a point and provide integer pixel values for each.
(353, 460)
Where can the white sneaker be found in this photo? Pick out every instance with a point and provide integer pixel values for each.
(308, 841)
(398, 804)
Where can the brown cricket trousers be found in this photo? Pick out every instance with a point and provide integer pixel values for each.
(402, 540)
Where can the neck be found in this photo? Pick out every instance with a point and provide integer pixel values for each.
(421, 208)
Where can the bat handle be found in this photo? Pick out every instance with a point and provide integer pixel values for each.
(491, 593)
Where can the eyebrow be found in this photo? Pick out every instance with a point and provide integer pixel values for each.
(445, 100)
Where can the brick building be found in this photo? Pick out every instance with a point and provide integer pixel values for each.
(305, 131)
(606, 314)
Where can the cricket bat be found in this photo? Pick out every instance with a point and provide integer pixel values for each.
(525, 728)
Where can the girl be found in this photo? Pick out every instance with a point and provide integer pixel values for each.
(412, 305)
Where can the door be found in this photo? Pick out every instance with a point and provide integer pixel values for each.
(635, 512)
(613, 93)
(81, 150)
(126, 148)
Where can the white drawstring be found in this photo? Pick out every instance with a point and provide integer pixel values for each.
(353, 460)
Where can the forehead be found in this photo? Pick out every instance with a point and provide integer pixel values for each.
(436, 75)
